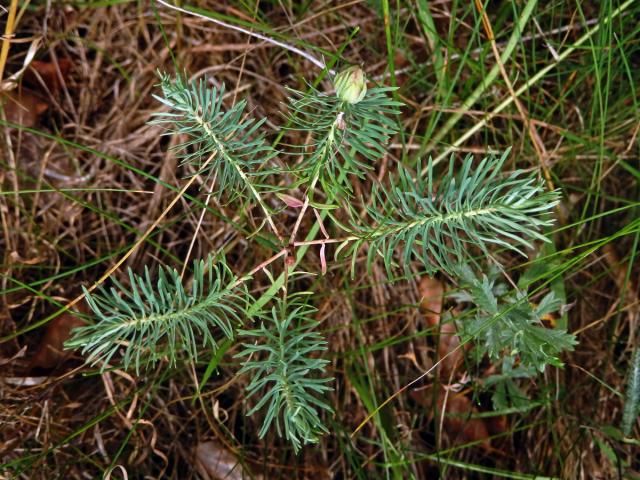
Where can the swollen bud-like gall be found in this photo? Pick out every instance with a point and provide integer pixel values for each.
(350, 85)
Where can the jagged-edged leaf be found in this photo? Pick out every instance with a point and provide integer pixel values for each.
(513, 327)
(506, 393)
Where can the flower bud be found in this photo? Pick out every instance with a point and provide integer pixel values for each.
(350, 85)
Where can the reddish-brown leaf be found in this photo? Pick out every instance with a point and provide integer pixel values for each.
(457, 424)
(26, 105)
(290, 201)
(449, 350)
(48, 73)
(432, 293)
(214, 462)
(496, 425)
(51, 351)
(23, 107)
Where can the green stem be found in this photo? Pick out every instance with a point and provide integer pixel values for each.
(510, 99)
(486, 82)
(453, 216)
(223, 151)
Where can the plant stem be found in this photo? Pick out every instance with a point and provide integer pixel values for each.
(324, 241)
(521, 90)
(486, 82)
(223, 151)
(256, 269)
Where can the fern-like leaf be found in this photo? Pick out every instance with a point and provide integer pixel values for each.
(162, 317)
(437, 223)
(506, 392)
(283, 367)
(220, 141)
(346, 139)
(513, 327)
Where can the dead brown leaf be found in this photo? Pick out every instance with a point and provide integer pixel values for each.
(51, 351)
(27, 104)
(290, 200)
(15, 257)
(496, 425)
(214, 462)
(458, 423)
(23, 107)
(629, 286)
(432, 296)
(47, 73)
(449, 350)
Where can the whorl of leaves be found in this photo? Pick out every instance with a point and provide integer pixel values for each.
(221, 142)
(346, 139)
(153, 318)
(437, 221)
(284, 371)
(440, 222)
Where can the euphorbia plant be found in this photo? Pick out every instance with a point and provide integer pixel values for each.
(441, 219)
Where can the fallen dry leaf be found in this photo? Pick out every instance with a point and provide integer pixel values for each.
(457, 424)
(23, 107)
(19, 354)
(51, 351)
(496, 425)
(619, 271)
(432, 296)
(48, 73)
(41, 79)
(448, 349)
(15, 257)
(215, 462)
(24, 381)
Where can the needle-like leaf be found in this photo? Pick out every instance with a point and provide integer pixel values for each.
(161, 316)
